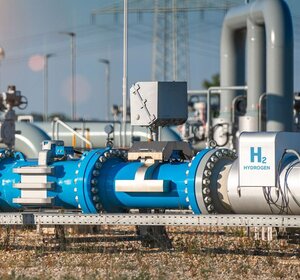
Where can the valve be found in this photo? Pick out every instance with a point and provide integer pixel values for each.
(12, 98)
(8, 100)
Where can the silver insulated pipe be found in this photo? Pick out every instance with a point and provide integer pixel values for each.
(269, 45)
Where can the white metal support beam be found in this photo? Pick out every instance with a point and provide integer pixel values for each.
(149, 219)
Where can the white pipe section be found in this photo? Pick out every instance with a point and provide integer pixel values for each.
(256, 66)
(259, 200)
(232, 56)
(275, 18)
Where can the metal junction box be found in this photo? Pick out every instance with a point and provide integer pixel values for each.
(260, 154)
(158, 103)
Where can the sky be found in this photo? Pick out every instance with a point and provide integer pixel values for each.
(31, 29)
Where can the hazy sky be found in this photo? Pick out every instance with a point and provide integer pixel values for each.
(29, 29)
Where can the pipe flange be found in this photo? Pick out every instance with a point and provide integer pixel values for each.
(86, 180)
(94, 181)
(95, 178)
(208, 192)
(189, 182)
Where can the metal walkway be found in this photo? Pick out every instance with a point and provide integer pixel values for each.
(34, 218)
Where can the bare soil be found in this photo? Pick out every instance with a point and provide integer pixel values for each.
(118, 253)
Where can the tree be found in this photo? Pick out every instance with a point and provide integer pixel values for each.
(61, 116)
(214, 82)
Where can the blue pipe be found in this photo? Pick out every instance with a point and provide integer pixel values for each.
(88, 183)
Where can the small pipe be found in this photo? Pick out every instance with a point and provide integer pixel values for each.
(197, 92)
(261, 98)
(46, 89)
(217, 90)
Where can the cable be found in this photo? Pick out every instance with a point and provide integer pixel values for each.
(294, 152)
(282, 191)
(291, 151)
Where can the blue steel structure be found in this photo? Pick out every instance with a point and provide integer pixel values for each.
(88, 182)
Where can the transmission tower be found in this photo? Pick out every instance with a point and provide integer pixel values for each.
(170, 55)
(170, 41)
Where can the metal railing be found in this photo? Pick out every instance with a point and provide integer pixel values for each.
(55, 131)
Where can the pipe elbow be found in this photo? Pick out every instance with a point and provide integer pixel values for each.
(276, 17)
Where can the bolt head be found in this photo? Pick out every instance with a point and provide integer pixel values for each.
(210, 165)
(95, 198)
(95, 173)
(98, 165)
(98, 206)
(206, 181)
(219, 154)
(214, 159)
(207, 199)
(206, 191)
(207, 173)
(210, 208)
(225, 152)
(94, 190)
(102, 159)
(94, 181)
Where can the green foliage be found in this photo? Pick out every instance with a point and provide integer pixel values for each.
(61, 116)
(214, 82)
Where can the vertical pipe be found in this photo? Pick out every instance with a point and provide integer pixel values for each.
(73, 65)
(280, 66)
(2, 55)
(174, 39)
(232, 66)
(107, 85)
(125, 56)
(108, 89)
(279, 43)
(276, 18)
(73, 72)
(256, 66)
(45, 88)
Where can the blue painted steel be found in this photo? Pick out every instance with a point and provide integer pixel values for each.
(89, 182)
(174, 199)
(182, 186)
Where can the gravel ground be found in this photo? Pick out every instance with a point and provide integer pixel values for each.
(117, 253)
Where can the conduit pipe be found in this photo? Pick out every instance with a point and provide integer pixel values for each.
(269, 29)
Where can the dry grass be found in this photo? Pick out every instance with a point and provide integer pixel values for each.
(117, 253)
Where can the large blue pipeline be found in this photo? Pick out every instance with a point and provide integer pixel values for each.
(88, 183)
(106, 181)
